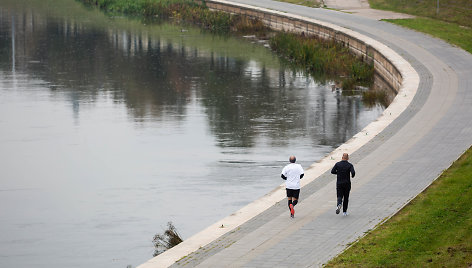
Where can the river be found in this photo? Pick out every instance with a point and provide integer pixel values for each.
(111, 127)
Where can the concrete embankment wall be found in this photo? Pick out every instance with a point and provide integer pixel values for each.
(393, 69)
(290, 23)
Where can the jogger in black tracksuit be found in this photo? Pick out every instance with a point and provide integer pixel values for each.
(343, 183)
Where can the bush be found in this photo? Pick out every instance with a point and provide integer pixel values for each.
(168, 240)
(322, 57)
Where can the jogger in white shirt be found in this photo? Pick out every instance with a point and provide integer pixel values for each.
(292, 173)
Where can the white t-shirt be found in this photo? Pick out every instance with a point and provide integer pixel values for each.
(292, 171)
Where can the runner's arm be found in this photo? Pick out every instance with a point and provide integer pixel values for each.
(334, 170)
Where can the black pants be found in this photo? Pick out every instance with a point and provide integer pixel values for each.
(342, 191)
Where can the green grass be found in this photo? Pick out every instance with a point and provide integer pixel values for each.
(452, 23)
(452, 33)
(433, 230)
(454, 11)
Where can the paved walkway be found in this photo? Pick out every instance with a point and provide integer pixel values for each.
(362, 8)
(392, 168)
(346, 4)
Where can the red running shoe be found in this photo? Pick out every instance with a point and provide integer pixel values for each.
(292, 211)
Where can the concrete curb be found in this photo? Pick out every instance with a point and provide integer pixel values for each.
(400, 103)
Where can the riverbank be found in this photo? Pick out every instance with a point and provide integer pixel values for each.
(260, 221)
(181, 10)
(323, 59)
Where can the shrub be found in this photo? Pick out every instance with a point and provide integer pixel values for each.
(322, 57)
(168, 240)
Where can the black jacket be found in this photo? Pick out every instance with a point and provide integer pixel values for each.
(342, 169)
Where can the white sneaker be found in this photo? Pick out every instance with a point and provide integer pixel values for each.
(345, 213)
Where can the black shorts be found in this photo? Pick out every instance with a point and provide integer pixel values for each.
(293, 193)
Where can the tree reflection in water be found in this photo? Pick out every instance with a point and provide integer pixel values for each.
(157, 77)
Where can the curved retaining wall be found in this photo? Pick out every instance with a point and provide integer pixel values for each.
(291, 23)
(394, 70)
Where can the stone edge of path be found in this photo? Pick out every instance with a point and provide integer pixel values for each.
(400, 103)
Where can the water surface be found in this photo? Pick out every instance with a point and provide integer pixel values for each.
(110, 128)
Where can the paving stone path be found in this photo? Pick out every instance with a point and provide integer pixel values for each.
(346, 4)
(362, 8)
(392, 168)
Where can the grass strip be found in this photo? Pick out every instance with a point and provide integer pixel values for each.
(433, 230)
(452, 33)
(454, 11)
(451, 22)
